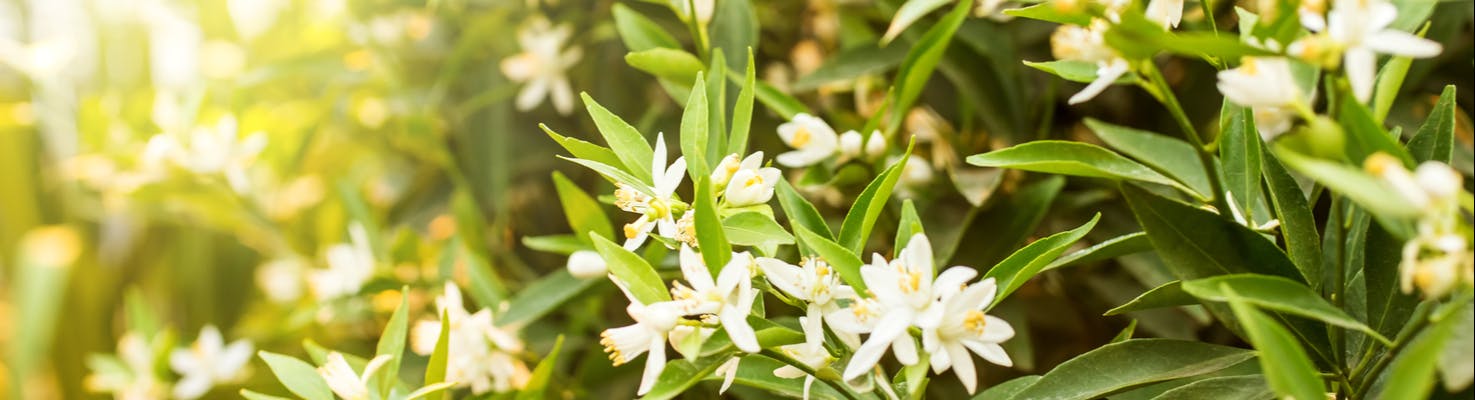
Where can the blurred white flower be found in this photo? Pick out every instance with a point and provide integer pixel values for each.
(1439, 258)
(1359, 29)
(1088, 44)
(751, 183)
(207, 362)
(254, 17)
(1266, 85)
(916, 172)
(207, 151)
(479, 355)
(542, 66)
(174, 47)
(704, 9)
(130, 375)
(220, 59)
(906, 289)
(964, 328)
(343, 381)
(349, 266)
(812, 353)
(281, 279)
(587, 264)
(655, 212)
(1167, 13)
(812, 139)
(1436, 264)
(851, 145)
(730, 297)
(648, 334)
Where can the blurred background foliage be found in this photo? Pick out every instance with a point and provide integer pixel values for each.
(306, 117)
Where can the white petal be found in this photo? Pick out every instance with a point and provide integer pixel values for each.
(1403, 44)
(786, 277)
(1361, 65)
(991, 352)
(735, 322)
(694, 270)
(563, 96)
(951, 281)
(1105, 77)
(192, 386)
(963, 366)
(654, 364)
(531, 94)
(996, 330)
(905, 349)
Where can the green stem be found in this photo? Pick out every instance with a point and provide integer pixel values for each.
(1337, 292)
(1366, 378)
(698, 35)
(837, 385)
(1159, 88)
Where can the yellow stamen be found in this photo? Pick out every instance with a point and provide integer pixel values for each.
(801, 137)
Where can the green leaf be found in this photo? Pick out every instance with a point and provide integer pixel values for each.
(1007, 389)
(640, 33)
(1365, 136)
(1030, 260)
(1244, 387)
(868, 206)
(742, 113)
(1168, 155)
(694, 127)
(1279, 294)
(716, 107)
(1169, 294)
(486, 288)
(1287, 367)
(782, 103)
(909, 12)
(537, 384)
(756, 371)
(1457, 360)
(680, 375)
(585, 215)
(1435, 139)
(1390, 80)
(1239, 148)
(1297, 223)
(543, 296)
(1126, 333)
(735, 27)
(560, 244)
(1366, 190)
(1002, 227)
(581, 149)
(910, 225)
(853, 63)
(844, 260)
(716, 250)
(435, 369)
(1120, 366)
(628, 145)
(1049, 13)
(392, 343)
(1075, 71)
(1196, 243)
(752, 228)
(1136, 37)
(799, 211)
(1074, 159)
(1131, 243)
(1411, 374)
(633, 271)
(666, 63)
(921, 62)
(299, 377)
(615, 175)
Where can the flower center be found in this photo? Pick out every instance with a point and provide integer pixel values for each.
(802, 137)
(974, 322)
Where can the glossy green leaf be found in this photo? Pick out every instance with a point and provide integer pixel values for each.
(1365, 136)
(755, 229)
(1287, 367)
(537, 384)
(996, 231)
(799, 211)
(1196, 243)
(868, 206)
(1126, 333)
(640, 33)
(1007, 389)
(1170, 156)
(909, 225)
(1241, 387)
(757, 371)
(1074, 71)
(785, 105)
(1049, 12)
(585, 215)
(560, 244)
(716, 250)
(735, 28)
(1297, 223)
(1389, 81)
(666, 63)
(299, 377)
(694, 130)
(615, 174)
(543, 296)
(680, 375)
(910, 12)
(435, 369)
(1169, 294)
(1412, 372)
(1366, 190)
(1130, 364)
(1239, 150)
(1131, 243)
(1278, 294)
(716, 84)
(1019, 267)
(742, 113)
(633, 271)
(1435, 139)
(845, 261)
(1457, 360)
(627, 143)
(922, 61)
(250, 395)
(1071, 158)
(392, 343)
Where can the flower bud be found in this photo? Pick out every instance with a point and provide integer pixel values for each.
(586, 264)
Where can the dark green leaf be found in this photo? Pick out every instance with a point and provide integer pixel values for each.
(1287, 367)
(1130, 243)
(1197, 243)
(1071, 158)
(1170, 294)
(853, 63)
(1239, 148)
(1241, 387)
(537, 384)
(1278, 294)
(868, 206)
(1119, 366)
(1365, 136)
(581, 149)
(1297, 223)
(1435, 139)
(1168, 155)
(543, 296)
(735, 28)
(922, 60)
(1019, 267)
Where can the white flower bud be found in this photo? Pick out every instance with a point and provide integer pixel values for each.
(586, 264)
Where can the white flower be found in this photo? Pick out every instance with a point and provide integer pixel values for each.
(543, 65)
(655, 210)
(207, 362)
(730, 296)
(349, 266)
(587, 264)
(474, 340)
(346, 383)
(916, 172)
(819, 285)
(812, 139)
(133, 377)
(1433, 188)
(1264, 84)
(963, 328)
(812, 353)
(728, 371)
(704, 9)
(648, 334)
(209, 151)
(906, 289)
(851, 143)
(752, 183)
(281, 279)
(1088, 44)
(254, 17)
(1360, 29)
(1167, 13)
(1435, 263)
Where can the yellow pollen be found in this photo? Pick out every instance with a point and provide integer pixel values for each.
(1250, 66)
(631, 230)
(801, 137)
(974, 321)
(912, 283)
(822, 270)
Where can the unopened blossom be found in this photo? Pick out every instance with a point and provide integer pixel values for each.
(655, 210)
(209, 151)
(965, 328)
(916, 172)
(479, 356)
(1267, 87)
(812, 139)
(1167, 13)
(281, 279)
(703, 9)
(349, 266)
(909, 294)
(1359, 31)
(730, 296)
(811, 353)
(543, 65)
(344, 382)
(751, 183)
(653, 322)
(587, 264)
(1088, 44)
(854, 146)
(207, 362)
